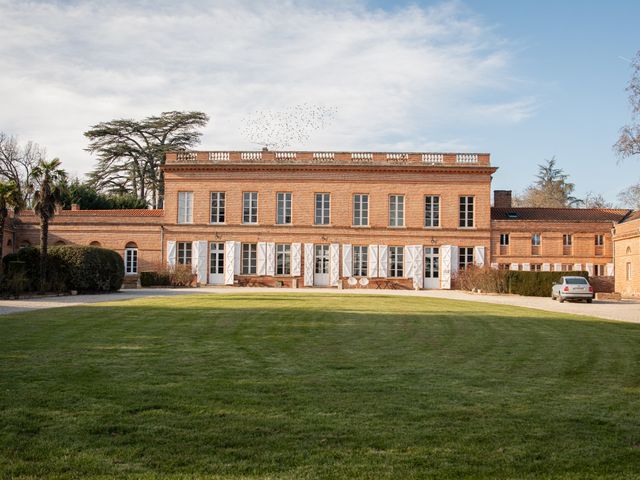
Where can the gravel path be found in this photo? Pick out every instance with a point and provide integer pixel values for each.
(626, 310)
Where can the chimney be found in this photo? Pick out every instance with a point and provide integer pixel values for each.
(75, 206)
(502, 198)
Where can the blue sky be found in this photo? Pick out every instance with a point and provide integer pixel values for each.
(522, 80)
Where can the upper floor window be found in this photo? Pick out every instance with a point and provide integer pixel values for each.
(504, 239)
(465, 257)
(432, 211)
(184, 253)
(283, 259)
(185, 207)
(131, 259)
(599, 240)
(396, 210)
(396, 261)
(323, 209)
(466, 212)
(249, 258)
(360, 258)
(361, 209)
(535, 240)
(283, 208)
(250, 207)
(567, 240)
(217, 207)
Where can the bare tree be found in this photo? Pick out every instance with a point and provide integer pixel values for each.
(630, 197)
(17, 161)
(628, 143)
(595, 200)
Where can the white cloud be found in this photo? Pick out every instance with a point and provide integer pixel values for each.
(393, 76)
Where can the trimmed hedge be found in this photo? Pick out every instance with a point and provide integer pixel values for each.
(155, 279)
(70, 267)
(536, 284)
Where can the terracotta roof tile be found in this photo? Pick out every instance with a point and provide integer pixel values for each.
(559, 214)
(634, 216)
(138, 212)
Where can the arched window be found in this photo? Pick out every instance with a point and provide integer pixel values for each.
(131, 259)
(95, 243)
(628, 250)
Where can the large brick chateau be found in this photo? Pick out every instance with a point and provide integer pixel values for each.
(349, 219)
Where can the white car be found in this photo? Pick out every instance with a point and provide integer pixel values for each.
(572, 288)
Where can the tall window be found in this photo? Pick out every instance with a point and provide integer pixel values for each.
(283, 259)
(283, 211)
(131, 259)
(323, 209)
(185, 207)
(598, 270)
(249, 258)
(250, 207)
(396, 261)
(217, 207)
(599, 240)
(504, 239)
(535, 240)
(360, 261)
(465, 257)
(432, 211)
(396, 210)
(629, 271)
(361, 209)
(567, 240)
(466, 212)
(184, 253)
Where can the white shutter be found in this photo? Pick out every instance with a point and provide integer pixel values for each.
(334, 264)
(514, 266)
(347, 260)
(383, 261)
(262, 258)
(455, 259)
(478, 256)
(589, 267)
(610, 269)
(229, 257)
(296, 258)
(309, 261)
(446, 252)
(373, 260)
(526, 267)
(408, 254)
(171, 253)
(557, 267)
(271, 258)
(202, 260)
(418, 269)
(546, 267)
(196, 256)
(577, 267)
(237, 261)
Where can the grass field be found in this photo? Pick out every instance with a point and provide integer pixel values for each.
(317, 386)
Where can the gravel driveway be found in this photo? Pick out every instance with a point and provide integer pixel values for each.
(625, 310)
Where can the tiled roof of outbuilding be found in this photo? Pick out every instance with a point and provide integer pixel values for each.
(134, 212)
(560, 214)
(634, 216)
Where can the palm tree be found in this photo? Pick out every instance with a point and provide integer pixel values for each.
(48, 186)
(10, 199)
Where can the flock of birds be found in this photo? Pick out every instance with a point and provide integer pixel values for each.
(279, 130)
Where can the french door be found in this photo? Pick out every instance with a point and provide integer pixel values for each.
(216, 263)
(431, 267)
(321, 269)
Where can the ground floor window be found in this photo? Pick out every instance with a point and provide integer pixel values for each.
(283, 259)
(360, 261)
(504, 266)
(567, 267)
(629, 271)
(465, 257)
(184, 253)
(536, 267)
(249, 258)
(396, 261)
(431, 262)
(599, 270)
(131, 259)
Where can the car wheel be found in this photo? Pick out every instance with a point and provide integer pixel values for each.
(560, 299)
(589, 300)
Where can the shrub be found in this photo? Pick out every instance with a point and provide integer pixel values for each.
(182, 276)
(484, 279)
(155, 279)
(16, 281)
(536, 284)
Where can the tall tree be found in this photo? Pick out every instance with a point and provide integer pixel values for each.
(131, 152)
(628, 143)
(49, 181)
(10, 199)
(17, 161)
(551, 189)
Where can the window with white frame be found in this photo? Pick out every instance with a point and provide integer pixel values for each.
(535, 240)
(131, 259)
(249, 258)
(466, 212)
(598, 270)
(283, 259)
(217, 207)
(504, 239)
(185, 207)
(465, 257)
(396, 210)
(360, 260)
(283, 208)
(567, 240)
(250, 207)
(432, 211)
(599, 240)
(361, 209)
(184, 253)
(396, 261)
(536, 267)
(323, 209)
(628, 271)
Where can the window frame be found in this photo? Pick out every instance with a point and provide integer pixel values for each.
(324, 212)
(285, 254)
(465, 259)
(504, 236)
(131, 258)
(182, 257)
(284, 208)
(360, 261)
(432, 211)
(567, 240)
(249, 259)
(599, 240)
(466, 211)
(250, 209)
(537, 236)
(360, 201)
(396, 261)
(185, 210)
(220, 208)
(396, 210)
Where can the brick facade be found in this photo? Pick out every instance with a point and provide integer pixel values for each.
(627, 256)
(326, 254)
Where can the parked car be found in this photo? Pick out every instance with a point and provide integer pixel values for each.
(572, 288)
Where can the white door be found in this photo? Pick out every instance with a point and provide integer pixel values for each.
(216, 263)
(431, 267)
(321, 270)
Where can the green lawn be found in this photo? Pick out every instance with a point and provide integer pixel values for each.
(317, 386)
